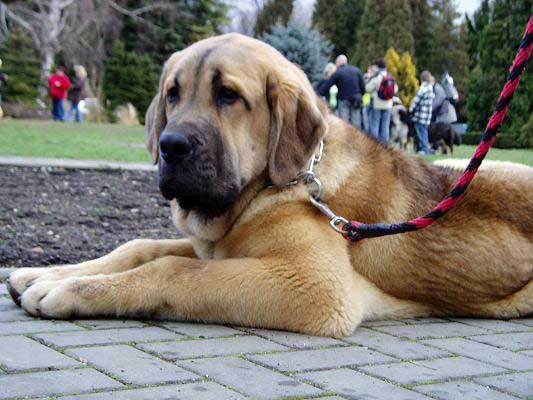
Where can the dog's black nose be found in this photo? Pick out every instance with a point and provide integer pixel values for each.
(173, 146)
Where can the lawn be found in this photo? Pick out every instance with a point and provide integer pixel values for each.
(85, 141)
(114, 142)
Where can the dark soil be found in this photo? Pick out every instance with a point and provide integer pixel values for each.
(63, 216)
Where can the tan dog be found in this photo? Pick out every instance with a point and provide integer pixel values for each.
(232, 118)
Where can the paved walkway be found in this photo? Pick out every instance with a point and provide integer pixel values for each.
(132, 360)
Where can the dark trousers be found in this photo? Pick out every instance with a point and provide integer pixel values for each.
(58, 111)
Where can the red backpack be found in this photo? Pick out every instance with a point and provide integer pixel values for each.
(386, 88)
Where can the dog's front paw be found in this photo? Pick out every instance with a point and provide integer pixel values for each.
(21, 279)
(53, 299)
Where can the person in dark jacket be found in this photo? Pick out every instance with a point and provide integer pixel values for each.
(351, 84)
(75, 95)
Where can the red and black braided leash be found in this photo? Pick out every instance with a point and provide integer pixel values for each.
(355, 230)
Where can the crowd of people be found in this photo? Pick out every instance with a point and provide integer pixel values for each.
(61, 89)
(367, 100)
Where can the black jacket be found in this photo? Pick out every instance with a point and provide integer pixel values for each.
(350, 82)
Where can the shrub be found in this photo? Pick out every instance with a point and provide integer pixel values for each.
(503, 140)
(21, 63)
(129, 77)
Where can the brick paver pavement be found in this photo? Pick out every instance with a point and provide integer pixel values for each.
(412, 359)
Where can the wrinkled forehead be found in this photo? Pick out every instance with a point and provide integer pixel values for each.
(239, 62)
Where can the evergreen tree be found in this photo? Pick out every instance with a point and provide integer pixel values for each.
(475, 26)
(130, 77)
(423, 35)
(22, 65)
(338, 20)
(274, 12)
(302, 46)
(383, 25)
(404, 72)
(498, 42)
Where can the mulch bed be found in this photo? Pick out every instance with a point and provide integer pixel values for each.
(62, 216)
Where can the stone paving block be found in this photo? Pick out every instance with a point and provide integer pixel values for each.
(188, 391)
(356, 385)
(423, 320)
(20, 353)
(394, 346)
(519, 384)
(13, 313)
(211, 347)
(429, 370)
(108, 323)
(483, 352)
(6, 303)
(249, 378)
(493, 325)
(36, 326)
(527, 353)
(321, 359)
(297, 340)
(462, 390)
(509, 341)
(523, 321)
(107, 336)
(201, 330)
(371, 324)
(433, 330)
(54, 383)
(131, 365)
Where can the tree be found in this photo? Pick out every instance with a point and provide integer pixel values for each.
(498, 42)
(274, 12)
(304, 47)
(423, 34)
(21, 64)
(130, 77)
(404, 72)
(383, 25)
(338, 20)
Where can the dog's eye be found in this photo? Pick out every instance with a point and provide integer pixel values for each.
(173, 95)
(227, 96)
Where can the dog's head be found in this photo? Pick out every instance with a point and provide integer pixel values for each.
(230, 108)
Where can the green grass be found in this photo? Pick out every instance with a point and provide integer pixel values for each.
(85, 141)
(523, 156)
(114, 142)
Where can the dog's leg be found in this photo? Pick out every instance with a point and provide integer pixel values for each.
(272, 293)
(129, 255)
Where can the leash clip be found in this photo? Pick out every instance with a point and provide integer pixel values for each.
(334, 219)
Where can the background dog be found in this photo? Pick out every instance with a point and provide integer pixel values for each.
(442, 137)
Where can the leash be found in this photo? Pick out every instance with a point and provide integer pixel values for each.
(355, 230)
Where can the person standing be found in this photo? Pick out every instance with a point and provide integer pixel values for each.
(76, 93)
(382, 88)
(443, 110)
(421, 110)
(58, 84)
(331, 95)
(349, 81)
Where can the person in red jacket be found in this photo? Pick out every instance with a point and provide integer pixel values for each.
(59, 83)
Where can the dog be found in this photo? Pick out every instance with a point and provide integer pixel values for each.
(399, 128)
(442, 137)
(233, 125)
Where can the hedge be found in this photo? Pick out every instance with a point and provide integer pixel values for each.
(503, 141)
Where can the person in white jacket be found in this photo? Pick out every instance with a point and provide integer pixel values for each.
(380, 109)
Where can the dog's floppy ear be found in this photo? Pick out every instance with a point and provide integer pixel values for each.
(297, 125)
(155, 121)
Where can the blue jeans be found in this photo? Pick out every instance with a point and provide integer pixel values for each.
(349, 113)
(58, 112)
(380, 124)
(74, 109)
(422, 137)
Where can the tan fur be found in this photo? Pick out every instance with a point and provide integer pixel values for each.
(272, 260)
